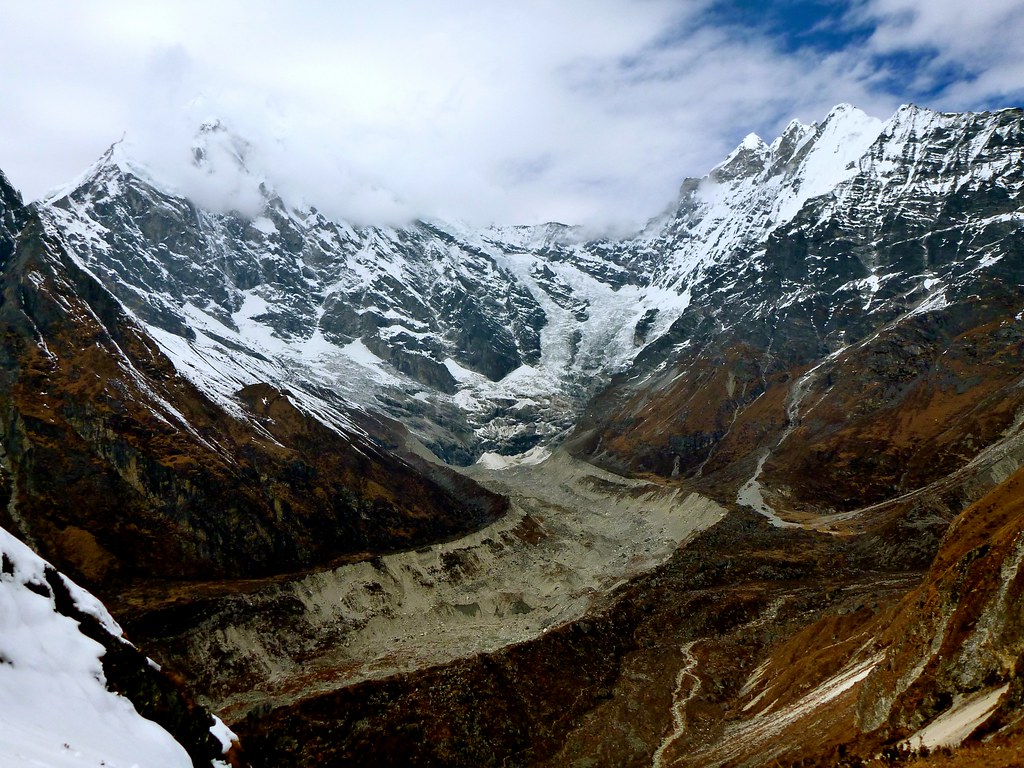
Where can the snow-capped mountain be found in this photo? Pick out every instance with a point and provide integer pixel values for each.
(119, 468)
(453, 331)
(824, 350)
(477, 340)
(206, 408)
(756, 189)
(853, 249)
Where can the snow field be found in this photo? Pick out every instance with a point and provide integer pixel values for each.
(55, 709)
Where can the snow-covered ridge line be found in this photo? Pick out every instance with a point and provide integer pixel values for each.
(55, 707)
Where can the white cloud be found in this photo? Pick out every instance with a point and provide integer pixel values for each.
(973, 51)
(577, 110)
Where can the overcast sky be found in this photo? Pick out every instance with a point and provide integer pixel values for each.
(582, 111)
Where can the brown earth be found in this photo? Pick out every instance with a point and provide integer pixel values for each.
(894, 413)
(753, 645)
(596, 691)
(960, 631)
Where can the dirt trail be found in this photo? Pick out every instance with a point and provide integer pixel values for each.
(686, 688)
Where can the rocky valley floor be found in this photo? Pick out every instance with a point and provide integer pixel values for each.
(603, 621)
(652, 674)
(574, 533)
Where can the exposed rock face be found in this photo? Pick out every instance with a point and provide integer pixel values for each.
(400, 319)
(961, 633)
(11, 216)
(865, 348)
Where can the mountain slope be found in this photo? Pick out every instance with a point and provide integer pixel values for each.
(74, 692)
(934, 669)
(477, 340)
(438, 326)
(117, 468)
(865, 349)
(810, 365)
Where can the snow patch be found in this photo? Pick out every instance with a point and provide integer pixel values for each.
(55, 709)
(933, 303)
(264, 225)
(957, 723)
(770, 722)
(496, 461)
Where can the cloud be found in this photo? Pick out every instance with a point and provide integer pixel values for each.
(585, 111)
(963, 55)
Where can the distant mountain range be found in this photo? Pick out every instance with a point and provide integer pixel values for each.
(823, 338)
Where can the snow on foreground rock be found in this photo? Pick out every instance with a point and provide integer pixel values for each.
(55, 708)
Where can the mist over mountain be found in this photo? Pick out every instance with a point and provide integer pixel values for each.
(581, 114)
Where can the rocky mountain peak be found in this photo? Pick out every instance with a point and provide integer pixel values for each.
(216, 174)
(10, 204)
(224, 161)
(818, 153)
(105, 179)
(224, 175)
(13, 214)
(460, 321)
(746, 161)
(786, 145)
(757, 189)
(845, 109)
(9, 196)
